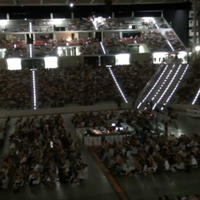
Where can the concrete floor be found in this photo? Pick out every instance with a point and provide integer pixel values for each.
(97, 186)
(152, 186)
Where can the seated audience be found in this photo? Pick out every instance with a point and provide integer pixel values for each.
(41, 151)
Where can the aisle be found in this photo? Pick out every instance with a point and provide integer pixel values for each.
(4, 149)
(152, 186)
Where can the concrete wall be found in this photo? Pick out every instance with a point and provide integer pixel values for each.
(73, 61)
(70, 61)
(141, 57)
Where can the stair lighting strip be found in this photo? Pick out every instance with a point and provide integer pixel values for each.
(166, 89)
(178, 83)
(155, 84)
(102, 47)
(170, 45)
(34, 90)
(117, 84)
(196, 97)
(162, 85)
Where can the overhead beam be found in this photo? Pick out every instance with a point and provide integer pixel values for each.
(92, 1)
(14, 2)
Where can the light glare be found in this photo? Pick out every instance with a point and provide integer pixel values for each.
(197, 48)
(14, 63)
(3, 22)
(122, 59)
(51, 62)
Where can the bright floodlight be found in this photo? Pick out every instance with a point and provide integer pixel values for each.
(2, 53)
(197, 48)
(141, 49)
(122, 59)
(3, 22)
(30, 27)
(56, 21)
(14, 64)
(158, 57)
(59, 51)
(71, 5)
(183, 55)
(148, 19)
(51, 62)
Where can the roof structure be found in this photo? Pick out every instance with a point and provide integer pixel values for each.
(84, 2)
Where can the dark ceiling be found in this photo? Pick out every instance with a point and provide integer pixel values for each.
(84, 2)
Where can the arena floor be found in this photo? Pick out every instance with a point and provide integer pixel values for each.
(98, 187)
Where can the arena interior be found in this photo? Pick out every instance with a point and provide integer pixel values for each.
(99, 99)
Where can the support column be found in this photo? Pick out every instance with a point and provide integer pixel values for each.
(120, 35)
(198, 21)
(113, 14)
(102, 36)
(72, 15)
(195, 22)
(51, 15)
(7, 16)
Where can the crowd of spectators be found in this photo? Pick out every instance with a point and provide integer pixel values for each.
(155, 41)
(4, 127)
(173, 39)
(116, 45)
(138, 121)
(93, 119)
(190, 85)
(44, 48)
(82, 85)
(91, 47)
(14, 48)
(49, 25)
(15, 89)
(142, 153)
(149, 35)
(112, 24)
(79, 24)
(129, 23)
(41, 151)
(134, 79)
(152, 38)
(145, 154)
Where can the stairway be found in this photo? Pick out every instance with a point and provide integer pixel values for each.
(162, 89)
